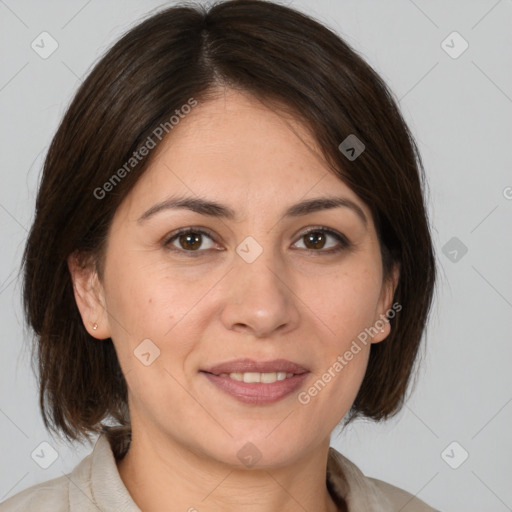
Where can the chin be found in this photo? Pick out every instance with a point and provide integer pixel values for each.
(260, 450)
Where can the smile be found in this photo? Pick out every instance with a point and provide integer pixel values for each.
(251, 377)
(257, 388)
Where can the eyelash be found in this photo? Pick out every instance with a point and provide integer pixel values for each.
(344, 243)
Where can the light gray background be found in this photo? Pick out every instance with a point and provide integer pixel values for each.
(460, 111)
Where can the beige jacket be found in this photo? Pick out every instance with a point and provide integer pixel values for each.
(95, 486)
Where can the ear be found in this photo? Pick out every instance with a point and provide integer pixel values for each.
(89, 296)
(381, 327)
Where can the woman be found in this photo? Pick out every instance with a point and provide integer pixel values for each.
(230, 256)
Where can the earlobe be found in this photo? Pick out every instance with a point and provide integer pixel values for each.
(89, 296)
(381, 329)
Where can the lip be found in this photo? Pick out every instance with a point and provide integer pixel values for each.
(255, 392)
(250, 365)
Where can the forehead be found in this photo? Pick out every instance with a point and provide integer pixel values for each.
(236, 147)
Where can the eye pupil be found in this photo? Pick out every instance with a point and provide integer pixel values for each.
(190, 240)
(316, 238)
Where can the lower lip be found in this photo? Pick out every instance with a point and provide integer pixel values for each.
(256, 392)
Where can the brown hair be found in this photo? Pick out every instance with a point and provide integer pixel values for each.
(278, 55)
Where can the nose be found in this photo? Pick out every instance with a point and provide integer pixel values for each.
(258, 299)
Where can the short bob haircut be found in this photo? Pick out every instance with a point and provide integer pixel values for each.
(293, 64)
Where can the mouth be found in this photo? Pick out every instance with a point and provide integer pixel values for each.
(253, 377)
(244, 366)
(257, 382)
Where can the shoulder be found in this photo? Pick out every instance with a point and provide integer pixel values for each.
(94, 484)
(365, 493)
(49, 496)
(68, 493)
(400, 499)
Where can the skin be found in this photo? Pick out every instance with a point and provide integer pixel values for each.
(290, 303)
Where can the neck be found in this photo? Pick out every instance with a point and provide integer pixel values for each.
(159, 473)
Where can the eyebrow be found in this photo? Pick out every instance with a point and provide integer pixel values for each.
(214, 209)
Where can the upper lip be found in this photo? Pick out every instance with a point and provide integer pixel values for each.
(249, 365)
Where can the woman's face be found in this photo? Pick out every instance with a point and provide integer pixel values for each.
(248, 286)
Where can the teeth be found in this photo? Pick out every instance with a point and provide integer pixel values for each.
(251, 377)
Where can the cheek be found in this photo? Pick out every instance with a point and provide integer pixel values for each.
(136, 306)
(342, 305)
(345, 302)
(137, 289)
(146, 302)
(152, 306)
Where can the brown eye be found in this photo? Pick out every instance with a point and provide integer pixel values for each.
(317, 240)
(190, 240)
